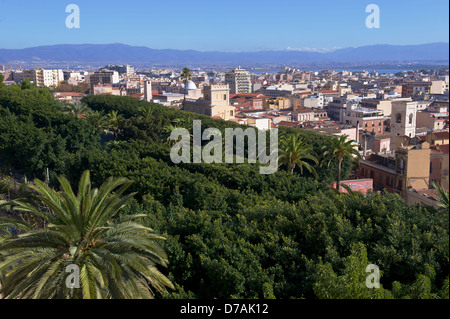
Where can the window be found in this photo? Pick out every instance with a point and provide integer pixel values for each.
(398, 118)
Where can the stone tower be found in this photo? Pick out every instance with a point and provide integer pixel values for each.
(403, 121)
(148, 91)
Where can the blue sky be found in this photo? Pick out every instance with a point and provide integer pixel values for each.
(227, 25)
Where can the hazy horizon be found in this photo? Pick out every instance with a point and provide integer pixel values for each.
(313, 50)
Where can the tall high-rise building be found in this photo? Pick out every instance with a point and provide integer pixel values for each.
(239, 81)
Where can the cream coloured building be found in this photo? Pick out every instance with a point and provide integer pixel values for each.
(216, 103)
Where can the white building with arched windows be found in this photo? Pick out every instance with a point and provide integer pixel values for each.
(403, 121)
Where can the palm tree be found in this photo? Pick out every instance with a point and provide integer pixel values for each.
(77, 109)
(146, 112)
(175, 124)
(117, 257)
(186, 75)
(294, 151)
(339, 149)
(113, 122)
(443, 197)
(98, 120)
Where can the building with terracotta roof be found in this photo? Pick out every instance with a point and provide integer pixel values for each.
(68, 96)
(277, 103)
(247, 101)
(411, 171)
(438, 138)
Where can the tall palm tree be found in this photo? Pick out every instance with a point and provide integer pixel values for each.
(116, 257)
(294, 151)
(167, 131)
(77, 109)
(113, 122)
(98, 120)
(146, 112)
(186, 75)
(339, 149)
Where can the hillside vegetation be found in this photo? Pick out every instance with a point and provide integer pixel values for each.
(231, 232)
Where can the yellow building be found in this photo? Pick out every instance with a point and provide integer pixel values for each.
(438, 138)
(216, 103)
(278, 103)
(413, 166)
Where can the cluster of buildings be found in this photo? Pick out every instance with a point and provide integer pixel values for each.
(399, 121)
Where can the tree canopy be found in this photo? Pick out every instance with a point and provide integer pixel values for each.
(232, 232)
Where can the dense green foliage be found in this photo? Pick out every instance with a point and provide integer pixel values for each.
(232, 232)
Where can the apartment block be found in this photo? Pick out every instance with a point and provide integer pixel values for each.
(239, 81)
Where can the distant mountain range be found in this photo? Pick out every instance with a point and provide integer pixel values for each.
(121, 53)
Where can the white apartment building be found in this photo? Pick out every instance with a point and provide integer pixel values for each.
(42, 77)
(314, 101)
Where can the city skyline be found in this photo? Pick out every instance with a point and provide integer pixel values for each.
(236, 27)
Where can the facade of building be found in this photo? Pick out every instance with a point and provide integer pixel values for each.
(314, 101)
(252, 101)
(432, 120)
(103, 77)
(438, 87)
(40, 77)
(384, 105)
(216, 103)
(416, 89)
(338, 106)
(369, 120)
(412, 171)
(403, 121)
(277, 103)
(121, 69)
(239, 81)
